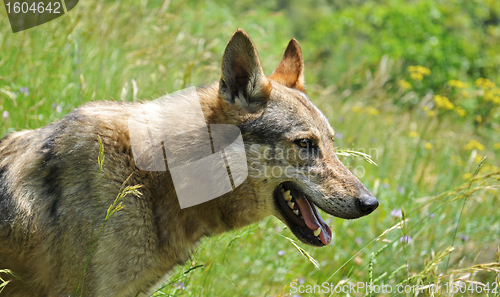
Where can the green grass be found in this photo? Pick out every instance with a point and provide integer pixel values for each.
(4, 282)
(427, 166)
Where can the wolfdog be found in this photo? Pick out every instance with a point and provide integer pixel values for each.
(54, 196)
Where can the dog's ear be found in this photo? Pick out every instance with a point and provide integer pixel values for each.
(243, 81)
(290, 71)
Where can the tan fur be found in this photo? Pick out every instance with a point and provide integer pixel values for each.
(53, 197)
(290, 71)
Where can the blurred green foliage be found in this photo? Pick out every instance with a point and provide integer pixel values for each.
(343, 40)
(455, 38)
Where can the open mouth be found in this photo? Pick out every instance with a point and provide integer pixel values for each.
(301, 215)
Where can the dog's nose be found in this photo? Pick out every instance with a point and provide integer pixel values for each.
(367, 203)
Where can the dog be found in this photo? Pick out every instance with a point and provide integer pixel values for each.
(54, 197)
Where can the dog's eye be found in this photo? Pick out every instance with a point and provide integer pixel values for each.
(306, 143)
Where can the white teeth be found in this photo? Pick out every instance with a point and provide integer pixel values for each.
(287, 196)
(317, 232)
(291, 204)
(296, 212)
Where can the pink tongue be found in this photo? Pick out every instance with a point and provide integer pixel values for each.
(314, 220)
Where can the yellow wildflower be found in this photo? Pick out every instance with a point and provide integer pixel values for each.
(371, 110)
(425, 108)
(416, 76)
(467, 176)
(494, 168)
(431, 113)
(479, 119)
(478, 158)
(413, 134)
(438, 99)
(465, 93)
(496, 146)
(443, 102)
(460, 111)
(417, 72)
(403, 84)
(473, 144)
(457, 84)
(485, 83)
(423, 70)
(449, 105)
(428, 145)
(488, 96)
(488, 84)
(357, 109)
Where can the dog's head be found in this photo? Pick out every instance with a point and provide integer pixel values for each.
(293, 167)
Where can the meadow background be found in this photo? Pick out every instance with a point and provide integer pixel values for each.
(416, 84)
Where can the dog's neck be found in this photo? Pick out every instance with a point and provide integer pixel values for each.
(232, 210)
